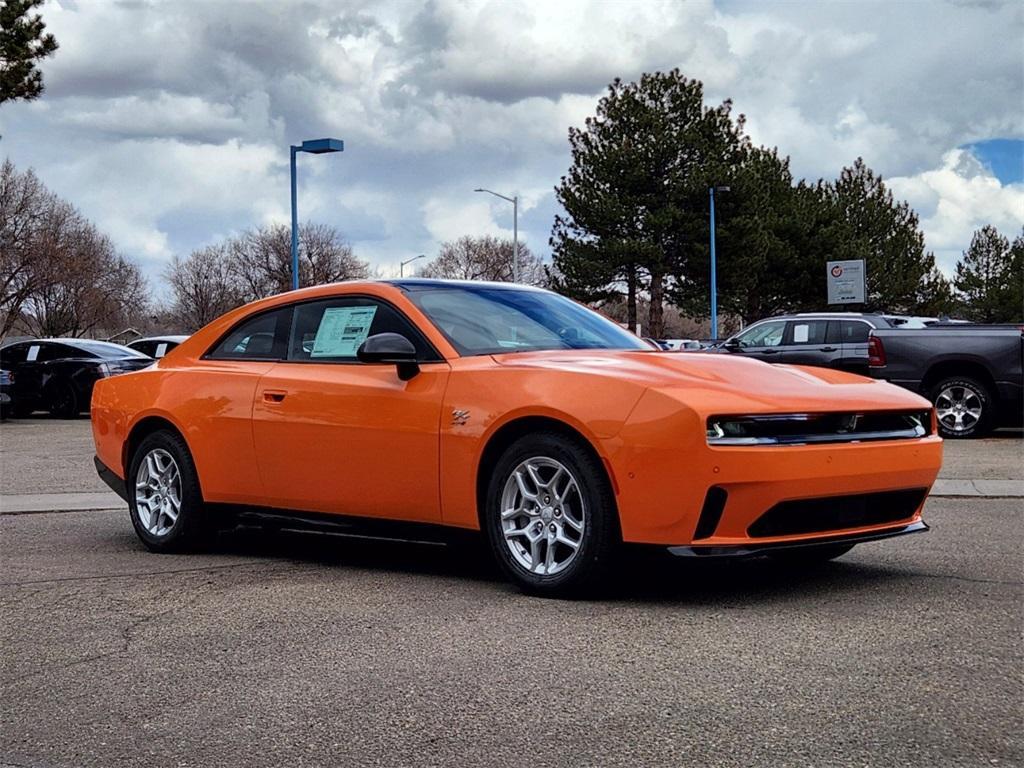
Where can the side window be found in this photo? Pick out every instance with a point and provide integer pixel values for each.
(764, 335)
(855, 333)
(14, 354)
(145, 347)
(332, 330)
(807, 331)
(260, 338)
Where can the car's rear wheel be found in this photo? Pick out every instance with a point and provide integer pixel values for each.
(811, 555)
(550, 516)
(963, 407)
(63, 400)
(164, 498)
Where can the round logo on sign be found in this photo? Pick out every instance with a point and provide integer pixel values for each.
(837, 271)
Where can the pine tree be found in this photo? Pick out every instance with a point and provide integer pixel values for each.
(988, 277)
(636, 194)
(23, 43)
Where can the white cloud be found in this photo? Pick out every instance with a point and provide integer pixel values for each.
(957, 198)
(168, 123)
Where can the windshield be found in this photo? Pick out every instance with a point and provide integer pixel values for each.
(487, 320)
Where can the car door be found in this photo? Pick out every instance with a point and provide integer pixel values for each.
(852, 337)
(14, 358)
(760, 341)
(804, 343)
(336, 435)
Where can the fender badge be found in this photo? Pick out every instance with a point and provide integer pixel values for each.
(460, 417)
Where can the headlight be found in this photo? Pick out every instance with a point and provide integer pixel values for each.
(804, 428)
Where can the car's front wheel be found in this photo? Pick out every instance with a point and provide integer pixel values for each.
(63, 400)
(550, 516)
(164, 497)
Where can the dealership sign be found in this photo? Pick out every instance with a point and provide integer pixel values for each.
(845, 281)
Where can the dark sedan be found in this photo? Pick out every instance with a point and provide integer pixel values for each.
(57, 375)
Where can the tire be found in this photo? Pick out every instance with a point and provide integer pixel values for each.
(974, 417)
(63, 400)
(571, 552)
(811, 555)
(163, 461)
(22, 411)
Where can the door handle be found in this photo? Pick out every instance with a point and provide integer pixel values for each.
(826, 349)
(770, 352)
(273, 396)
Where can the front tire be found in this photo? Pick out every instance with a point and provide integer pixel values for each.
(550, 516)
(164, 498)
(963, 407)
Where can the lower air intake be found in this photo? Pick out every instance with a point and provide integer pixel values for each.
(833, 513)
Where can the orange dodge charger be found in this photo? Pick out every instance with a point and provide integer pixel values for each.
(391, 405)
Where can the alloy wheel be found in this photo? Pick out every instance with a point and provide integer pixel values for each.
(158, 492)
(543, 516)
(958, 408)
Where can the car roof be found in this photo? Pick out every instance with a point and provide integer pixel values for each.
(84, 345)
(175, 338)
(426, 283)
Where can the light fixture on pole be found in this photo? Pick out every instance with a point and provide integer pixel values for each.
(401, 265)
(714, 264)
(515, 230)
(314, 147)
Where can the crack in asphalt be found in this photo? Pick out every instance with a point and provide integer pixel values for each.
(100, 577)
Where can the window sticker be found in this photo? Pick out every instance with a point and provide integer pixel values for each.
(800, 334)
(161, 350)
(342, 330)
(33, 353)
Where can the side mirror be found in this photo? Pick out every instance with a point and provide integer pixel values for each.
(390, 348)
(732, 344)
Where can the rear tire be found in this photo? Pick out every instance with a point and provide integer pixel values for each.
(964, 407)
(164, 498)
(63, 400)
(811, 555)
(550, 516)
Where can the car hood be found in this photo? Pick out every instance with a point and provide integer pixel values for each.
(701, 380)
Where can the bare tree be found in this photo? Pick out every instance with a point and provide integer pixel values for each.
(484, 258)
(261, 259)
(202, 287)
(24, 202)
(89, 286)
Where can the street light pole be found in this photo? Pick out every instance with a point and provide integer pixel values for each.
(401, 265)
(314, 147)
(714, 265)
(515, 230)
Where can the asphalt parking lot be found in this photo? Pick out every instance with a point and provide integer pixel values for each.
(295, 649)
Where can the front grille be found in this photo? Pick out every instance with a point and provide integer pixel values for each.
(833, 513)
(806, 428)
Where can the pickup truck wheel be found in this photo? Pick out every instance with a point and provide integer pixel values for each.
(963, 407)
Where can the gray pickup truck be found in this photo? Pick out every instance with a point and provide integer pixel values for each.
(971, 373)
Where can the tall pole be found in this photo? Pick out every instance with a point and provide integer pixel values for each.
(515, 239)
(714, 271)
(295, 227)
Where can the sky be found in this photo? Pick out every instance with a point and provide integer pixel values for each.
(168, 123)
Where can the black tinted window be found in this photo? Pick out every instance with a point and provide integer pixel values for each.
(260, 338)
(332, 330)
(13, 354)
(855, 332)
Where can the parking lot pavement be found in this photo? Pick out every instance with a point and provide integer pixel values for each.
(291, 649)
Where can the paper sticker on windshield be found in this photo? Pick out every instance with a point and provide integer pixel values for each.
(33, 353)
(342, 330)
(161, 349)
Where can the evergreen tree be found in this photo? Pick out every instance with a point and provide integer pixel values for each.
(23, 43)
(636, 195)
(867, 223)
(988, 277)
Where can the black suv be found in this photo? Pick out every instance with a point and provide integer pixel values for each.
(827, 339)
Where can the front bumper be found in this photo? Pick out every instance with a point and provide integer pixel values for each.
(758, 549)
